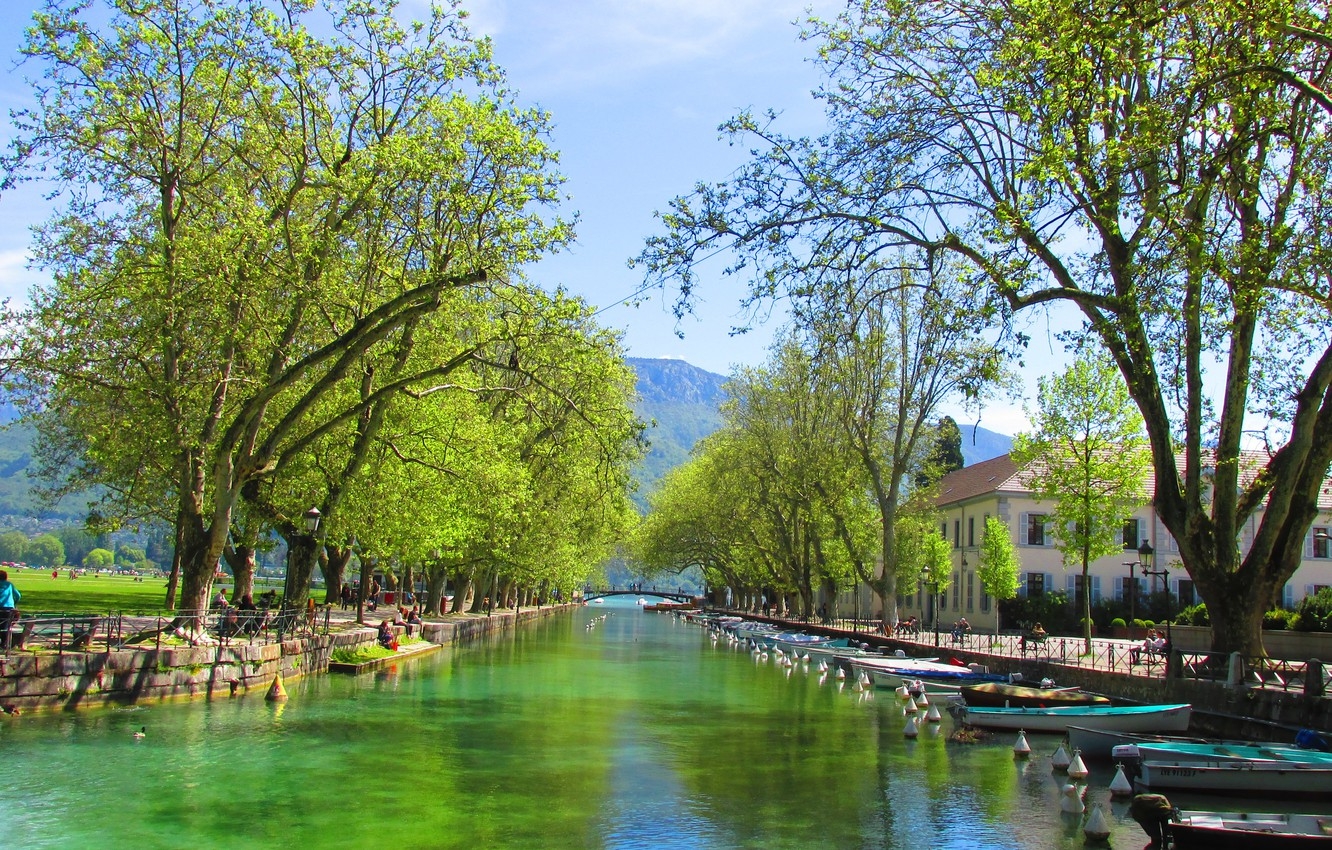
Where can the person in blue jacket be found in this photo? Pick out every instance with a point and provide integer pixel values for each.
(9, 599)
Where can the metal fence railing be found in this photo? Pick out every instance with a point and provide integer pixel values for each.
(63, 633)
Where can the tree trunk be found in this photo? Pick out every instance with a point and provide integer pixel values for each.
(334, 569)
(367, 570)
(241, 561)
(462, 589)
(1236, 615)
(437, 579)
(302, 553)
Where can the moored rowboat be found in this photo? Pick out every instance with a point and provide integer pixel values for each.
(1182, 751)
(1124, 718)
(1101, 743)
(1249, 831)
(1249, 778)
(1004, 694)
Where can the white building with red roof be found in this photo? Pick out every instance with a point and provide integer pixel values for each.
(968, 496)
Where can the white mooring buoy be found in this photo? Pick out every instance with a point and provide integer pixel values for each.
(1096, 828)
(1120, 785)
(1076, 769)
(1021, 749)
(911, 730)
(933, 716)
(1071, 800)
(910, 707)
(1060, 760)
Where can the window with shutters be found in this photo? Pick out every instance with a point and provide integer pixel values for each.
(1036, 533)
(1321, 541)
(1132, 528)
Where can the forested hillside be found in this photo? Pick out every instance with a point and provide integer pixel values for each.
(680, 403)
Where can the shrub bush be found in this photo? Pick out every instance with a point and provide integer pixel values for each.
(1314, 613)
(1117, 623)
(1194, 615)
(1278, 619)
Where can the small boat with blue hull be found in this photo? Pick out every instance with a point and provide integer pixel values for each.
(788, 640)
(1180, 751)
(1123, 718)
(936, 676)
(1103, 743)
(1192, 830)
(839, 650)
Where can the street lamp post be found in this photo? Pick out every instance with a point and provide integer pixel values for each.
(935, 585)
(1145, 555)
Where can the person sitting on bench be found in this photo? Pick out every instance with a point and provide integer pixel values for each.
(1152, 646)
(1036, 635)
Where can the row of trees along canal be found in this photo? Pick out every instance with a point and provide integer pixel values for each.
(288, 274)
(1166, 176)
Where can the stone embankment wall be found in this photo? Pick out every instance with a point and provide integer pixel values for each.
(73, 680)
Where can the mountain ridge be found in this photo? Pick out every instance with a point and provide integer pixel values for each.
(681, 404)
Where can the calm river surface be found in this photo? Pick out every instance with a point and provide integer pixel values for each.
(637, 733)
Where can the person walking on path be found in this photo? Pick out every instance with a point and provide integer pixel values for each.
(9, 599)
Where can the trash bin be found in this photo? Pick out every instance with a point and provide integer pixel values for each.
(388, 597)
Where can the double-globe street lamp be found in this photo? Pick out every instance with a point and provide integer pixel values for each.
(1145, 556)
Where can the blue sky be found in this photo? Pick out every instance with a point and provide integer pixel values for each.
(637, 89)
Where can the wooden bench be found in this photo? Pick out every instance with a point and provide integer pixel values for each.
(1152, 655)
(1031, 642)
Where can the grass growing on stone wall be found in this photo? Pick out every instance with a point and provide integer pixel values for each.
(360, 654)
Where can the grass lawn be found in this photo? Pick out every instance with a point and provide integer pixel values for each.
(90, 594)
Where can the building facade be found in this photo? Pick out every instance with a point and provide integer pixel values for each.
(969, 496)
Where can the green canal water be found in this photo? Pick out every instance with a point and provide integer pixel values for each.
(638, 733)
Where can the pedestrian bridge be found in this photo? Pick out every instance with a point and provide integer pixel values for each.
(601, 593)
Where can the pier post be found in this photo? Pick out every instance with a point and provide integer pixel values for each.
(1236, 676)
(1313, 679)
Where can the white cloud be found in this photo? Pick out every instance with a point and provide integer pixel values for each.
(557, 46)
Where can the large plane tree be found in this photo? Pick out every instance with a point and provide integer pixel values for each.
(262, 199)
(1163, 171)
